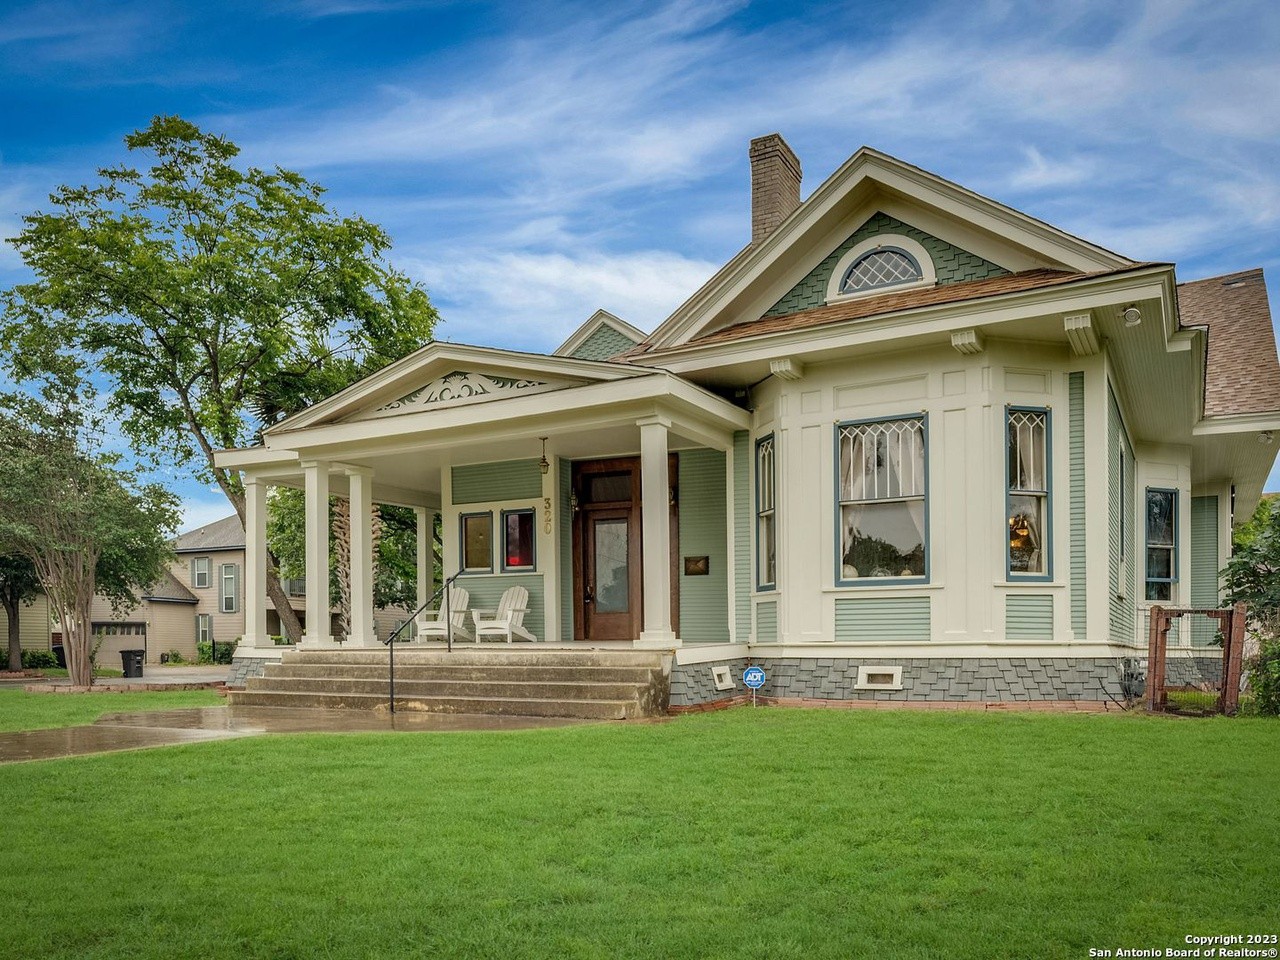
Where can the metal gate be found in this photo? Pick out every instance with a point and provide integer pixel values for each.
(1201, 673)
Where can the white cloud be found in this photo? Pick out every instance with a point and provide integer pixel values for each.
(200, 511)
(1039, 172)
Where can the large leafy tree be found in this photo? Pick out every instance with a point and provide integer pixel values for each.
(216, 299)
(19, 585)
(89, 527)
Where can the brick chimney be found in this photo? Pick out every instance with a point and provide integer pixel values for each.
(775, 184)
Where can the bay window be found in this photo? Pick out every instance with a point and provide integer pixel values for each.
(882, 494)
(1027, 492)
(766, 515)
(1162, 543)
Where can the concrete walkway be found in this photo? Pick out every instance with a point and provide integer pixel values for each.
(186, 677)
(162, 728)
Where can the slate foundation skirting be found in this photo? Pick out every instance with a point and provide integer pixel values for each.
(937, 680)
(242, 668)
(1193, 671)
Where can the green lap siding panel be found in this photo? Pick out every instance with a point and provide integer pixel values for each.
(767, 622)
(1120, 510)
(704, 600)
(604, 343)
(882, 619)
(486, 591)
(742, 535)
(1028, 618)
(487, 482)
(1075, 445)
(1204, 566)
(950, 263)
(565, 533)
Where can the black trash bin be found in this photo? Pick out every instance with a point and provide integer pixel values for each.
(131, 662)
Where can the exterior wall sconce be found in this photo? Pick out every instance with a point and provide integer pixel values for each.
(544, 464)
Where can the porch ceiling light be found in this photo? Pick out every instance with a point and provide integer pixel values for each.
(543, 463)
(1132, 316)
(1266, 436)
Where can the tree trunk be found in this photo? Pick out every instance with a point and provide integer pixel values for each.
(279, 599)
(15, 636)
(77, 639)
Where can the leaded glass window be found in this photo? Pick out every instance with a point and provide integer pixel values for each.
(1027, 453)
(766, 515)
(885, 267)
(1162, 549)
(882, 499)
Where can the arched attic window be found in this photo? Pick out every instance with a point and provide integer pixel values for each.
(881, 264)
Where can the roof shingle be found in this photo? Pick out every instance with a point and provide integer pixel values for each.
(224, 534)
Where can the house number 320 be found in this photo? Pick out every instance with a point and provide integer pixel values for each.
(546, 514)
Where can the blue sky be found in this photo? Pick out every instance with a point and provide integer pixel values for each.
(535, 161)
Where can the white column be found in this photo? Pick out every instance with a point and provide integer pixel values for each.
(316, 484)
(655, 527)
(360, 481)
(255, 564)
(426, 521)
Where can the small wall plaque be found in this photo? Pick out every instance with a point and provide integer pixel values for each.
(697, 566)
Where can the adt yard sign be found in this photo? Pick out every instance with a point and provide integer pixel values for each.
(753, 677)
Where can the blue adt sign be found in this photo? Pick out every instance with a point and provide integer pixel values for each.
(753, 677)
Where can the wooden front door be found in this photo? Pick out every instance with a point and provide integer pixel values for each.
(607, 583)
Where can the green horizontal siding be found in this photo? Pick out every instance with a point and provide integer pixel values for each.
(1204, 566)
(950, 263)
(767, 622)
(742, 534)
(882, 619)
(487, 482)
(1028, 618)
(1119, 450)
(604, 343)
(487, 590)
(1079, 579)
(704, 601)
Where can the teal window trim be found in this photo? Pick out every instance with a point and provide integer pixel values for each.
(1148, 579)
(766, 506)
(533, 540)
(1047, 494)
(462, 543)
(840, 580)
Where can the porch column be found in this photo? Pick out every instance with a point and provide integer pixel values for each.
(360, 480)
(655, 529)
(255, 564)
(316, 486)
(426, 566)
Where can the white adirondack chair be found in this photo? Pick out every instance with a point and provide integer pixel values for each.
(431, 623)
(508, 620)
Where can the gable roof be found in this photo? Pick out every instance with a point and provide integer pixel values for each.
(599, 326)
(224, 534)
(169, 589)
(1242, 373)
(864, 176)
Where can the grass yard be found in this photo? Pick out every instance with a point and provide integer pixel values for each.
(766, 834)
(36, 711)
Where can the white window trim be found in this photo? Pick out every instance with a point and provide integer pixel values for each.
(204, 628)
(228, 572)
(196, 572)
(929, 275)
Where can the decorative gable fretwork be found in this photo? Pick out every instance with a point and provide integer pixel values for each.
(459, 388)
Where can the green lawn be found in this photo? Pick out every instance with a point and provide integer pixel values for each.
(768, 834)
(35, 711)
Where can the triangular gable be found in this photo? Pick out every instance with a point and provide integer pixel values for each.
(761, 276)
(601, 337)
(443, 375)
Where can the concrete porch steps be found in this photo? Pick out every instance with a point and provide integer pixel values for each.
(597, 685)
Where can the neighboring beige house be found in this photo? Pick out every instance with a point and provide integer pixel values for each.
(198, 600)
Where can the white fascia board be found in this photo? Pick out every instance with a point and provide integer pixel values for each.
(642, 385)
(358, 394)
(259, 461)
(935, 319)
(1241, 423)
(894, 175)
(601, 318)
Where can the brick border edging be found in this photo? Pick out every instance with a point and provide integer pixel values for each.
(218, 686)
(998, 706)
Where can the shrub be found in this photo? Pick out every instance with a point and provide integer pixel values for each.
(221, 653)
(38, 659)
(1264, 677)
(175, 657)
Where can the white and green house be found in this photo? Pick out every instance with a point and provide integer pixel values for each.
(908, 444)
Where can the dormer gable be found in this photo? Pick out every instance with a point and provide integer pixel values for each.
(602, 337)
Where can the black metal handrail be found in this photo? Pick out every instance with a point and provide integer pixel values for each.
(395, 634)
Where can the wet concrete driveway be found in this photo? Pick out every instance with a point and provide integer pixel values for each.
(163, 728)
